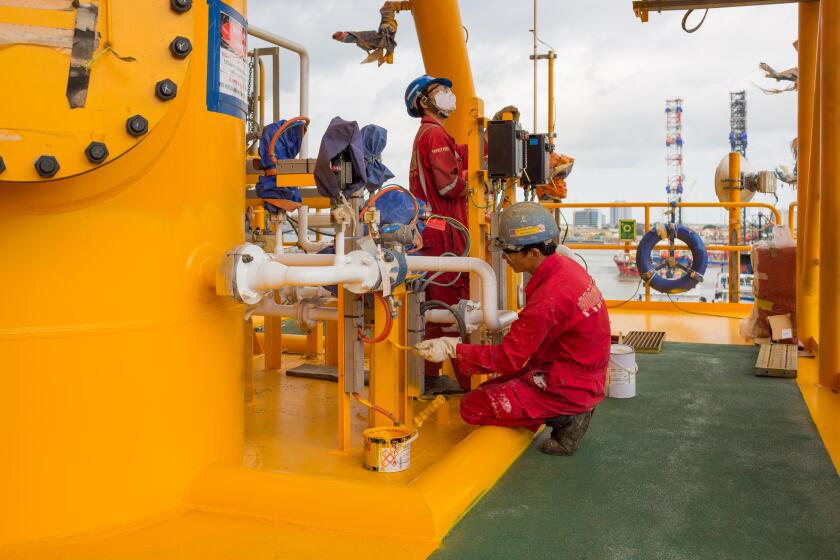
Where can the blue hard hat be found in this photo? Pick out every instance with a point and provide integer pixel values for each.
(525, 223)
(418, 86)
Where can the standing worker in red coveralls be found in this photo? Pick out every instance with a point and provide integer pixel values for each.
(553, 362)
(438, 177)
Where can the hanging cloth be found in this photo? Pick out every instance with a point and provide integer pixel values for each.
(375, 138)
(341, 137)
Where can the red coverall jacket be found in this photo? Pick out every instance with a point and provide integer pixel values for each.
(554, 359)
(437, 176)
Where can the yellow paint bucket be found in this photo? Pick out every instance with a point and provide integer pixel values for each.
(388, 449)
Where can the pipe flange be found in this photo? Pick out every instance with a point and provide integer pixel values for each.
(373, 278)
(236, 270)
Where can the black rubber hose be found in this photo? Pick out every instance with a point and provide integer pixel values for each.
(437, 304)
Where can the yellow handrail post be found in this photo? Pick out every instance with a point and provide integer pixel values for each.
(647, 228)
(829, 257)
(807, 188)
(735, 227)
(551, 56)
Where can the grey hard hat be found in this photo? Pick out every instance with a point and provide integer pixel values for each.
(525, 223)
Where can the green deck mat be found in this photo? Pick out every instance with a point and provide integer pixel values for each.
(707, 461)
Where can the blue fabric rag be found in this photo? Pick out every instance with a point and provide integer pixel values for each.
(287, 147)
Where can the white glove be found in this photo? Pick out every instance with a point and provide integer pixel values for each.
(437, 349)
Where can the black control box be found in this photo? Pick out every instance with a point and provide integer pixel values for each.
(538, 156)
(505, 149)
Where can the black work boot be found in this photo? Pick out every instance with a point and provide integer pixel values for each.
(566, 433)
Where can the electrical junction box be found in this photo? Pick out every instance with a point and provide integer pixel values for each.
(537, 160)
(505, 149)
(627, 230)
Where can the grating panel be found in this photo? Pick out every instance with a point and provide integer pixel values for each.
(645, 342)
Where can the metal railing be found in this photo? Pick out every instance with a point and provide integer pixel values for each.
(627, 246)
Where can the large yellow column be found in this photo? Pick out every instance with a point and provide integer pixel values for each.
(829, 342)
(444, 48)
(806, 306)
(120, 368)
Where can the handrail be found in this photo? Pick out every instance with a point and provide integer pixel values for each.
(304, 70)
(791, 220)
(766, 205)
(627, 246)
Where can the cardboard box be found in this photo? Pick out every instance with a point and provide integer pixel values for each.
(781, 327)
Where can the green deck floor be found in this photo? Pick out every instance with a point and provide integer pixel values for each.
(707, 461)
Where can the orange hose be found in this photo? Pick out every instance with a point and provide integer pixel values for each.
(280, 130)
(377, 408)
(389, 323)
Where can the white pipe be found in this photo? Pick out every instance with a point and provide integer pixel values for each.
(340, 259)
(473, 319)
(489, 297)
(302, 259)
(278, 238)
(272, 309)
(303, 232)
(304, 71)
(271, 275)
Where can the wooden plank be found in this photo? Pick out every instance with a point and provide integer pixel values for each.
(777, 360)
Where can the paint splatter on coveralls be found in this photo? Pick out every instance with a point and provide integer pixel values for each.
(554, 359)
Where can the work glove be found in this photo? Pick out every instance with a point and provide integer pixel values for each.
(437, 349)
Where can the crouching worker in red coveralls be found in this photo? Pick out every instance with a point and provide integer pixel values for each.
(553, 362)
(438, 177)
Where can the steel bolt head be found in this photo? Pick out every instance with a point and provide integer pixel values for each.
(137, 125)
(246, 258)
(180, 47)
(2, 165)
(96, 152)
(46, 166)
(166, 89)
(180, 6)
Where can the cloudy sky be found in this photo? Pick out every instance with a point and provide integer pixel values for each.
(613, 74)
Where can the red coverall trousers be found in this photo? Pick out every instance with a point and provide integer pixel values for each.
(554, 359)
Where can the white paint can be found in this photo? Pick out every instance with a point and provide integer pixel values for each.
(621, 373)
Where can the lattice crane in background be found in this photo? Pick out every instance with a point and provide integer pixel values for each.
(674, 155)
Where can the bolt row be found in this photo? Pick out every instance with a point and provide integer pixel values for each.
(137, 125)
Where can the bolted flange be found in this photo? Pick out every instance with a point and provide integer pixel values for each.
(96, 152)
(46, 166)
(137, 125)
(166, 89)
(180, 6)
(180, 47)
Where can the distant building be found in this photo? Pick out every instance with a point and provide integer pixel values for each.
(588, 217)
(617, 214)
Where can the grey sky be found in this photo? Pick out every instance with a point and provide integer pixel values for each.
(613, 75)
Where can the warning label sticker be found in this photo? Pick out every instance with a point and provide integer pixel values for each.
(233, 51)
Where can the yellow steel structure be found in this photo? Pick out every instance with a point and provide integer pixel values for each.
(806, 305)
(829, 261)
(734, 185)
(121, 367)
